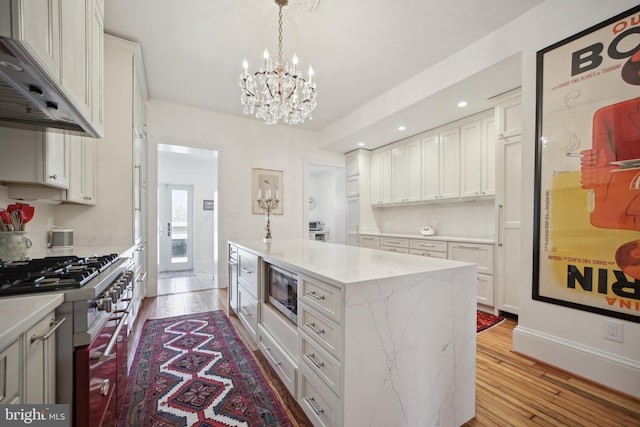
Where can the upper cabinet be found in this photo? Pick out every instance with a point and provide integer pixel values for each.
(441, 165)
(82, 184)
(477, 158)
(381, 177)
(406, 172)
(60, 42)
(508, 112)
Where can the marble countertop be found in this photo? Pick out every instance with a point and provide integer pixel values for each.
(436, 237)
(342, 263)
(19, 313)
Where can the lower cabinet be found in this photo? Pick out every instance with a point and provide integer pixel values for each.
(483, 256)
(27, 366)
(10, 374)
(248, 311)
(394, 245)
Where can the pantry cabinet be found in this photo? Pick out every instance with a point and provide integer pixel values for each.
(359, 213)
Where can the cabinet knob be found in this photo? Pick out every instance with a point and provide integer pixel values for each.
(54, 176)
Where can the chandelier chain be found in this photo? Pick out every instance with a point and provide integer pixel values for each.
(280, 38)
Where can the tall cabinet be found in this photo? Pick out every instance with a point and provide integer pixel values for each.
(359, 213)
(508, 118)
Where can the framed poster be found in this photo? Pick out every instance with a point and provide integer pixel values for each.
(267, 183)
(587, 189)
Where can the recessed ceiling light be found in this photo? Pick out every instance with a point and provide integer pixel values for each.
(462, 104)
(401, 128)
(360, 144)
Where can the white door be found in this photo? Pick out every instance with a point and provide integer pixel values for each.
(176, 227)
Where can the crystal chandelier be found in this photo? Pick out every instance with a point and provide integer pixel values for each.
(278, 91)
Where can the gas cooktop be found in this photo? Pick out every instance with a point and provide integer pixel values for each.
(50, 273)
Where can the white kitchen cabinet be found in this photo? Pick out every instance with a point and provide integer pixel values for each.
(483, 255)
(393, 244)
(441, 165)
(40, 362)
(406, 172)
(381, 171)
(278, 341)
(11, 367)
(353, 164)
(508, 200)
(428, 248)
(248, 290)
(36, 157)
(37, 26)
(371, 242)
(353, 220)
(75, 38)
(477, 157)
(359, 212)
(82, 181)
(508, 111)
(232, 288)
(96, 76)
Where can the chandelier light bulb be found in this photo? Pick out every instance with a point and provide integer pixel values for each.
(245, 65)
(310, 73)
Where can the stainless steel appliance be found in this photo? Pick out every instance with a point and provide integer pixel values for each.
(282, 291)
(91, 354)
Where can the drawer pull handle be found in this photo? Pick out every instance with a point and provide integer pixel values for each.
(312, 326)
(316, 296)
(312, 358)
(104, 389)
(312, 402)
(268, 351)
(469, 247)
(428, 246)
(245, 312)
(246, 270)
(54, 325)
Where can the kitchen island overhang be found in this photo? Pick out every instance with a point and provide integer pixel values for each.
(406, 329)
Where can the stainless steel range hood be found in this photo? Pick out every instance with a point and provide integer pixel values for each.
(29, 98)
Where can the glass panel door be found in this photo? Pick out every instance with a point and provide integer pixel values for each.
(177, 248)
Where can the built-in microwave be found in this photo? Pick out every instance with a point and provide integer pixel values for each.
(282, 291)
(315, 225)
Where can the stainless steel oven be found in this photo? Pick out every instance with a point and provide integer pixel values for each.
(282, 291)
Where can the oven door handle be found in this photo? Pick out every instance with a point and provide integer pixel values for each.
(54, 326)
(112, 342)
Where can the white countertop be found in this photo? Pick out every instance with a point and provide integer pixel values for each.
(436, 237)
(19, 313)
(342, 263)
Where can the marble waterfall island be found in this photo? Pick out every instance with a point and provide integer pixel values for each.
(395, 333)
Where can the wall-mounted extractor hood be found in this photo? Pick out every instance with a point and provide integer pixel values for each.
(29, 98)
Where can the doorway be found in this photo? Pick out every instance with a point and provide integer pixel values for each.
(176, 227)
(187, 219)
(327, 203)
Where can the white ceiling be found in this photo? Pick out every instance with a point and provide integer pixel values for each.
(359, 49)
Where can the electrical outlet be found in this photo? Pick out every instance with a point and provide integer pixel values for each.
(613, 331)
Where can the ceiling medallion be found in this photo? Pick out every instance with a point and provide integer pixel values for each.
(278, 90)
(296, 9)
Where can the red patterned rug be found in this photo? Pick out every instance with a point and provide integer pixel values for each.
(194, 370)
(485, 321)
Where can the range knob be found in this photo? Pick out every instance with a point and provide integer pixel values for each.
(104, 304)
(114, 293)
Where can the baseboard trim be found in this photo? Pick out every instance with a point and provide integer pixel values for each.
(608, 369)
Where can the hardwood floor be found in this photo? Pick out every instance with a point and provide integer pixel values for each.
(511, 390)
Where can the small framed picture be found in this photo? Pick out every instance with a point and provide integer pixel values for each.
(267, 183)
(207, 205)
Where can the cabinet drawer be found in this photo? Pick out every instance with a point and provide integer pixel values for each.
(10, 371)
(248, 271)
(476, 253)
(396, 243)
(372, 242)
(325, 366)
(429, 245)
(278, 359)
(394, 249)
(431, 254)
(40, 384)
(322, 331)
(316, 400)
(283, 330)
(323, 297)
(248, 311)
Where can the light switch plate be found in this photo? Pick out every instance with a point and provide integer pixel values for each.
(613, 331)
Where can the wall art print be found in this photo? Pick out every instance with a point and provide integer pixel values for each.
(267, 183)
(587, 217)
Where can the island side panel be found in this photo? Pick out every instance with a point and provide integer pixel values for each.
(409, 349)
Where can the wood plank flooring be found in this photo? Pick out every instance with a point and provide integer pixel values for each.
(511, 390)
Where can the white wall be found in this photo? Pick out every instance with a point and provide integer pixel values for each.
(202, 175)
(568, 338)
(242, 144)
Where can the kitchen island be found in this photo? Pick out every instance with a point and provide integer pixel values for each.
(381, 338)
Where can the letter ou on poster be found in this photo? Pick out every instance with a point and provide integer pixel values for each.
(587, 194)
